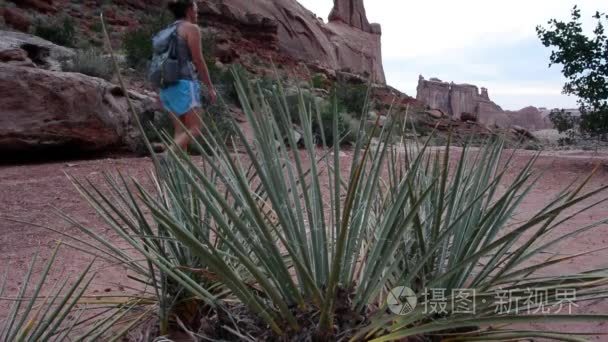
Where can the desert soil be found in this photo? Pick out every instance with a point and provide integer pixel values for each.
(32, 193)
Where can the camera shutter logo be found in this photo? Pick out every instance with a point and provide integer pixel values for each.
(401, 300)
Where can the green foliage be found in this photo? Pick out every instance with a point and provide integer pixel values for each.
(96, 27)
(318, 81)
(594, 119)
(323, 128)
(585, 66)
(137, 43)
(90, 62)
(322, 124)
(352, 97)
(224, 81)
(566, 123)
(60, 30)
(566, 141)
(563, 121)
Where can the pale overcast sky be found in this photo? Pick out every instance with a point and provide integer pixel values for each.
(489, 43)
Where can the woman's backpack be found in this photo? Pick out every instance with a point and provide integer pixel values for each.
(165, 67)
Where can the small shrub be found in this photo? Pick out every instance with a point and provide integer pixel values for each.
(96, 27)
(216, 118)
(352, 97)
(566, 141)
(61, 31)
(352, 126)
(318, 81)
(223, 80)
(138, 48)
(137, 43)
(293, 104)
(532, 146)
(324, 128)
(417, 126)
(90, 62)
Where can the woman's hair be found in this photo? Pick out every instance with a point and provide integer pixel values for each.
(179, 8)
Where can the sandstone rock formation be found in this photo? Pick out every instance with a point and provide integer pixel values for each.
(467, 102)
(348, 42)
(43, 110)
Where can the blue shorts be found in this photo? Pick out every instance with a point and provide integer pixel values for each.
(182, 97)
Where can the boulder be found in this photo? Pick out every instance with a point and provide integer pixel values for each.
(298, 136)
(43, 53)
(522, 132)
(42, 111)
(382, 120)
(13, 55)
(435, 113)
(16, 57)
(518, 128)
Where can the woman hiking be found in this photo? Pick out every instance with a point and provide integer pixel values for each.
(183, 99)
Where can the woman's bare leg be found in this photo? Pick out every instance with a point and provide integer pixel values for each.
(178, 131)
(193, 125)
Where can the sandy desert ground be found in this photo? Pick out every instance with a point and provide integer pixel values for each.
(31, 193)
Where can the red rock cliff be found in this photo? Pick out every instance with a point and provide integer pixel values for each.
(348, 42)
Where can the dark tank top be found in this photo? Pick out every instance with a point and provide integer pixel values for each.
(184, 56)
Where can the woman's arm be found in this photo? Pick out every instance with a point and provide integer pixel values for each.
(194, 42)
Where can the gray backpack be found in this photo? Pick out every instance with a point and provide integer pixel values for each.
(165, 67)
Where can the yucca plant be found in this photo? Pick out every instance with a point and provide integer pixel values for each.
(171, 277)
(462, 239)
(296, 244)
(64, 312)
(312, 250)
